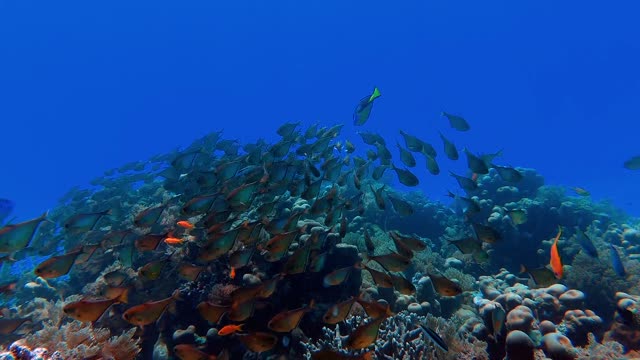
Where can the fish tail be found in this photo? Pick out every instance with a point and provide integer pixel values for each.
(123, 297)
(523, 269)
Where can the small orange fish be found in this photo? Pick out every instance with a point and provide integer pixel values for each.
(185, 224)
(229, 329)
(556, 261)
(232, 273)
(173, 241)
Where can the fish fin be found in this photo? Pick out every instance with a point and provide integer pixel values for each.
(123, 297)
(523, 269)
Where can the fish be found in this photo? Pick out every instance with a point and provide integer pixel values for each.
(401, 207)
(556, 261)
(363, 110)
(402, 285)
(6, 208)
(9, 326)
(411, 142)
(287, 129)
(476, 164)
(16, 237)
(84, 222)
(259, 341)
(616, 262)
(212, 312)
(444, 286)
(149, 216)
(190, 352)
(587, 245)
(229, 329)
(449, 148)
(405, 176)
(334, 355)
(581, 191)
(149, 312)
(486, 233)
(391, 261)
(153, 269)
(115, 278)
(517, 216)
(435, 338)
(368, 243)
(473, 247)
(339, 276)
(9, 288)
(432, 165)
(374, 309)
(508, 174)
(378, 196)
(457, 122)
(381, 279)
(173, 241)
(288, 320)
(541, 276)
(465, 183)
(92, 310)
(149, 242)
(338, 312)
(185, 225)
(57, 266)
(498, 316)
(364, 335)
(406, 157)
(190, 272)
(632, 163)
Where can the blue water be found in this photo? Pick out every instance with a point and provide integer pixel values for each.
(88, 86)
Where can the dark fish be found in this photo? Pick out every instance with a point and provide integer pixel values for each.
(633, 163)
(406, 157)
(402, 285)
(392, 261)
(449, 148)
(616, 262)
(437, 340)
(378, 172)
(470, 205)
(428, 150)
(587, 245)
(465, 183)
(402, 207)
(371, 138)
(8, 326)
(364, 335)
(287, 129)
(148, 216)
(381, 279)
(542, 276)
(334, 355)
(84, 222)
(413, 143)
(411, 243)
(363, 110)
(432, 165)
(444, 286)
(6, 207)
(378, 196)
(476, 164)
(470, 246)
(368, 242)
(508, 173)
(486, 233)
(457, 122)
(405, 176)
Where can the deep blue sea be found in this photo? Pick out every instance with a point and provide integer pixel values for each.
(86, 86)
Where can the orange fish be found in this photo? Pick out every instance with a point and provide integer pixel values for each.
(149, 312)
(556, 262)
(185, 225)
(190, 352)
(232, 273)
(229, 329)
(92, 310)
(173, 241)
